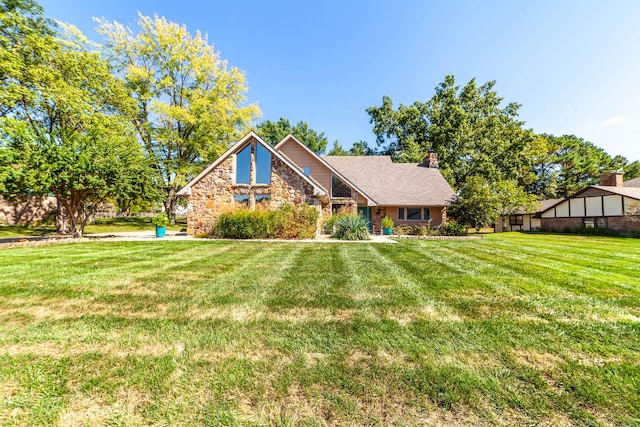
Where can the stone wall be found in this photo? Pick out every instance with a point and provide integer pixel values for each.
(215, 193)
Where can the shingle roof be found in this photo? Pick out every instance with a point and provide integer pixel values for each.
(394, 184)
(633, 192)
(542, 206)
(635, 182)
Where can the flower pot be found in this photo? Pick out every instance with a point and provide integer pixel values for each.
(387, 231)
(160, 231)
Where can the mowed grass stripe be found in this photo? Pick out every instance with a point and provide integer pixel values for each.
(540, 267)
(575, 264)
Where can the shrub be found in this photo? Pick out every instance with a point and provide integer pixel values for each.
(387, 222)
(329, 224)
(352, 227)
(452, 228)
(161, 220)
(288, 222)
(591, 231)
(242, 224)
(635, 233)
(293, 222)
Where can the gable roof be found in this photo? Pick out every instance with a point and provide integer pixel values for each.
(631, 192)
(186, 190)
(635, 182)
(322, 160)
(394, 184)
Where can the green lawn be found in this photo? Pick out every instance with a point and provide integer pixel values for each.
(102, 225)
(512, 329)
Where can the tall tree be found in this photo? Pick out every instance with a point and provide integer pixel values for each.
(361, 148)
(273, 132)
(67, 134)
(572, 163)
(337, 150)
(473, 134)
(477, 204)
(190, 104)
(22, 30)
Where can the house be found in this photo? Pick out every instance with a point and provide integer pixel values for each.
(523, 220)
(252, 173)
(613, 204)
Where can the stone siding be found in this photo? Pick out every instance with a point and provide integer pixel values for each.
(215, 193)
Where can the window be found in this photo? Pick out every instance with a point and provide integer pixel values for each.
(307, 170)
(243, 165)
(263, 165)
(516, 220)
(339, 188)
(414, 214)
(600, 222)
(263, 200)
(242, 200)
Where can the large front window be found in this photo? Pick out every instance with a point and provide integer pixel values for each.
(339, 188)
(414, 214)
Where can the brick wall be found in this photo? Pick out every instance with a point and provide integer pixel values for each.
(27, 209)
(559, 224)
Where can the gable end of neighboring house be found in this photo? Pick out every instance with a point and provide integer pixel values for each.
(250, 174)
(612, 204)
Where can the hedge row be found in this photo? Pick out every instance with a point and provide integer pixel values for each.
(287, 222)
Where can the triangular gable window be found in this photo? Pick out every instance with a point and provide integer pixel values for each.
(339, 188)
(262, 165)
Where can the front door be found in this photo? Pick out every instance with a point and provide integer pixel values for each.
(366, 212)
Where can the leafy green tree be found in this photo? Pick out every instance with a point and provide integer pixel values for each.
(631, 169)
(572, 163)
(66, 135)
(190, 104)
(477, 204)
(337, 150)
(513, 199)
(23, 29)
(473, 134)
(274, 132)
(361, 148)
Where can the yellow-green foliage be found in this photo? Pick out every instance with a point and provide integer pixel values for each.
(288, 222)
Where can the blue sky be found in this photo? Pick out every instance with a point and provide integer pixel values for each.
(573, 65)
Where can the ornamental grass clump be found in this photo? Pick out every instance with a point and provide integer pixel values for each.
(352, 227)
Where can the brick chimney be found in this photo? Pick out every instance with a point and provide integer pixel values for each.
(612, 179)
(431, 160)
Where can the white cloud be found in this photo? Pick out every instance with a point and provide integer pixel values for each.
(614, 120)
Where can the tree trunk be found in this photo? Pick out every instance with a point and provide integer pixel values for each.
(170, 205)
(62, 225)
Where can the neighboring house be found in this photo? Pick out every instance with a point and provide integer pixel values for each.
(252, 173)
(612, 204)
(524, 221)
